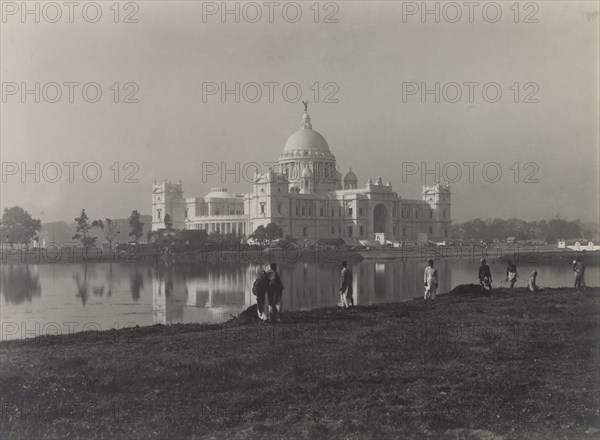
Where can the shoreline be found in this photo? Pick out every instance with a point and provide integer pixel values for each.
(324, 256)
(511, 364)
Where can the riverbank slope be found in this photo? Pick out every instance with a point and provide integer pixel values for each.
(510, 365)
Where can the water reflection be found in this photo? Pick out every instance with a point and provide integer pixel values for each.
(208, 293)
(136, 282)
(20, 283)
(81, 281)
(87, 280)
(212, 292)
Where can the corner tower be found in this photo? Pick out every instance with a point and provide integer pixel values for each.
(439, 199)
(167, 198)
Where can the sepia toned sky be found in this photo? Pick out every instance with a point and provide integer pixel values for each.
(547, 148)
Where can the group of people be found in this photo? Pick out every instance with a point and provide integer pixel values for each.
(485, 277)
(511, 276)
(268, 289)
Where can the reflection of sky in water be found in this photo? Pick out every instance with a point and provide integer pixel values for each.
(105, 295)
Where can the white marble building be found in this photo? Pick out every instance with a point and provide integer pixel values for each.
(308, 198)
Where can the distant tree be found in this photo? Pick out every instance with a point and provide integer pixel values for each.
(110, 230)
(500, 229)
(18, 226)
(476, 229)
(590, 231)
(457, 230)
(496, 229)
(259, 235)
(153, 236)
(83, 228)
(564, 229)
(191, 237)
(272, 232)
(137, 226)
(541, 231)
(515, 227)
(168, 222)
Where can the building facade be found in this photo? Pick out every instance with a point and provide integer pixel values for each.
(307, 197)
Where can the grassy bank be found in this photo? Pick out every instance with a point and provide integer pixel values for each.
(511, 365)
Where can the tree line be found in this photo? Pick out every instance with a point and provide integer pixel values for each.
(549, 231)
(18, 226)
(108, 227)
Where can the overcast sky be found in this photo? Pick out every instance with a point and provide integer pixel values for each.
(368, 54)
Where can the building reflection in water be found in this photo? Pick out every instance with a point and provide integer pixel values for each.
(211, 293)
(207, 293)
(311, 285)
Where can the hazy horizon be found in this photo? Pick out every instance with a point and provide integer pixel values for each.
(368, 54)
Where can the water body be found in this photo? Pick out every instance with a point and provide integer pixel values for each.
(64, 298)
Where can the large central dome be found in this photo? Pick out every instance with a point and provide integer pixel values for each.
(306, 140)
(307, 162)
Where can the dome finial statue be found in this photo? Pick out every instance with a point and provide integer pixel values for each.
(305, 117)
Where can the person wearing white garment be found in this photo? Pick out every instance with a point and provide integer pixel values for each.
(431, 281)
(346, 292)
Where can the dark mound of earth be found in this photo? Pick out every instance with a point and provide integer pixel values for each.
(250, 313)
(468, 290)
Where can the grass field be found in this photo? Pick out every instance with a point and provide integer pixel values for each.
(469, 366)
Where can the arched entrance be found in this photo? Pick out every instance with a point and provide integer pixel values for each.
(379, 215)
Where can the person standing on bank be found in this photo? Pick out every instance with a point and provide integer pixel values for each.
(275, 292)
(485, 275)
(260, 289)
(431, 281)
(579, 269)
(511, 273)
(346, 292)
(533, 287)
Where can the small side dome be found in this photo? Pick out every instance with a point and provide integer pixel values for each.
(350, 177)
(218, 193)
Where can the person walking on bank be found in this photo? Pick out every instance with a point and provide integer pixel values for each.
(511, 273)
(346, 292)
(485, 275)
(275, 292)
(431, 281)
(579, 269)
